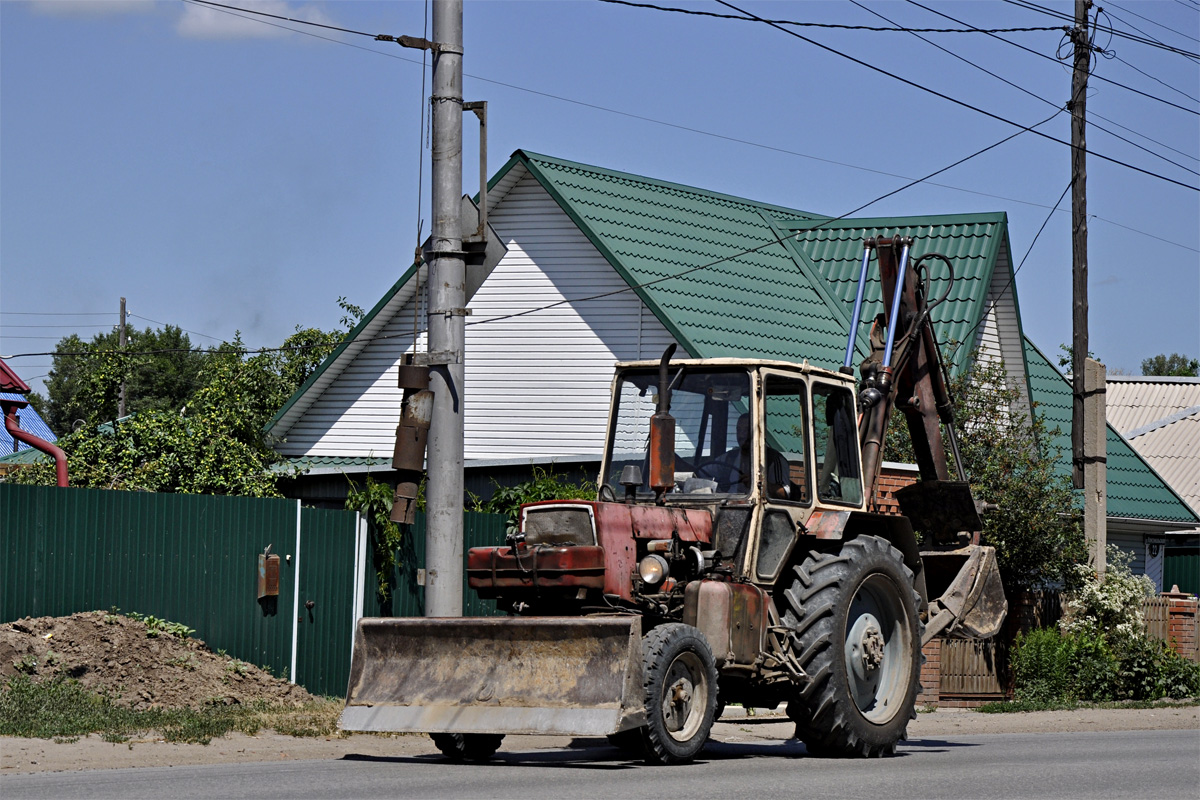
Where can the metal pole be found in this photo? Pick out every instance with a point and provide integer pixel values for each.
(121, 342)
(447, 301)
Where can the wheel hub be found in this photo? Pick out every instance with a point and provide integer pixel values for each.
(872, 648)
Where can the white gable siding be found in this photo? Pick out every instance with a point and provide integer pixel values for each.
(537, 386)
(999, 336)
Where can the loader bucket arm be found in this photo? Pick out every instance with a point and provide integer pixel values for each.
(555, 675)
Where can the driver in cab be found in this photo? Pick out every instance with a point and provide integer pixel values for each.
(734, 470)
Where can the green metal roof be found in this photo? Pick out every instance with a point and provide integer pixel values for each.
(972, 242)
(791, 299)
(306, 463)
(1135, 490)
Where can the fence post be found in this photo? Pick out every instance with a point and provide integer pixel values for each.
(360, 575)
(295, 599)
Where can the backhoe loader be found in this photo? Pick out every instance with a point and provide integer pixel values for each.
(732, 555)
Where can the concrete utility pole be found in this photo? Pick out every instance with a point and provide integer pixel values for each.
(447, 310)
(1088, 441)
(121, 342)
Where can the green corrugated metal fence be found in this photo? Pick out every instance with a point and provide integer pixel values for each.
(193, 559)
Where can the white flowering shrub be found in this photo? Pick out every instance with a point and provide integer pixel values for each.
(1108, 605)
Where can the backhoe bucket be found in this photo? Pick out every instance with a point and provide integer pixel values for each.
(971, 603)
(557, 675)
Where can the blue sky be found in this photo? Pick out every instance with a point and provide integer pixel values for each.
(229, 175)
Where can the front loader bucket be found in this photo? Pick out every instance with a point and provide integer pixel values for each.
(558, 675)
(967, 598)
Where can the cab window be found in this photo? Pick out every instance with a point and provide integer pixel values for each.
(835, 444)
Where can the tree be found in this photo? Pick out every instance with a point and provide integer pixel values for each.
(160, 369)
(1010, 462)
(211, 442)
(1176, 365)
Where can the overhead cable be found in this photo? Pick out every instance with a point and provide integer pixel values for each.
(894, 29)
(1035, 96)
(958, 102)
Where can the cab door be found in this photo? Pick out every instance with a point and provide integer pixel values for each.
(785, 471)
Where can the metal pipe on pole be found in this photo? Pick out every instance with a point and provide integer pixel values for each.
(446, 318)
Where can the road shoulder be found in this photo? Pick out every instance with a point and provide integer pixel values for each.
(18, 756)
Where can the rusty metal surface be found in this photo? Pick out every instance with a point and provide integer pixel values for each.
(824, 524)
(574, 676)
(538, 567)
(972, 604)
(268, 575)
(662, 452)
(732, 616)
(413, 431)
(617, 525)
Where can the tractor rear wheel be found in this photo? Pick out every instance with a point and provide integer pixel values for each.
(858, 635)
(681, 693)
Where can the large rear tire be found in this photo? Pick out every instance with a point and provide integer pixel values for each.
(858, 634)
(468, 746)
(681, 693)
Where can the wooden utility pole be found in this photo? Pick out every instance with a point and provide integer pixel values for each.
(121, 342)
(1087, 376)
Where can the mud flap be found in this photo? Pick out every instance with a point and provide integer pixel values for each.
(970, 601)
(570, 676)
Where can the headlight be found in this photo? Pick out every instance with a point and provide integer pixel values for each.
(653, 568)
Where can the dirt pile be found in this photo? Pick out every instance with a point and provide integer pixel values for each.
(137, 665)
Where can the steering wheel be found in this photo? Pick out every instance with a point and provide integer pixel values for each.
(725, 475)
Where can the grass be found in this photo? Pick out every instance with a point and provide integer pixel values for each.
(1017, 706)
(63, 710)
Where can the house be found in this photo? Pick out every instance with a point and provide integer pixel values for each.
(1159, 417)
(13, 453)
(593, 271)
(605, 266)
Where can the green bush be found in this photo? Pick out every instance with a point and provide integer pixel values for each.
(1095, 669)
(1061, 667)
(1041, 666)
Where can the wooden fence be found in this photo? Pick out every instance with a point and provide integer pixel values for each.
(970, 672)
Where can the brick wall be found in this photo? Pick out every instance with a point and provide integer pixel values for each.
(931, 675)
(891, 480)
(1181, 624)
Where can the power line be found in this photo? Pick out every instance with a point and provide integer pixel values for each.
(168, 325)
(958, 102)
(1108, 6)
(1012, 278)
(1056, 61)
(1139, 39)
(732, 139)
(896, 29)
(773, 241)
(1028, 92)
(1156, 80)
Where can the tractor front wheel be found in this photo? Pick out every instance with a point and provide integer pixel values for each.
(467, 746)
(681, 693)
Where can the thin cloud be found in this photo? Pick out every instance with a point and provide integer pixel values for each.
(207, 22)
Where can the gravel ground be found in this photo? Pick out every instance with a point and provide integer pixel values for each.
(39, 755)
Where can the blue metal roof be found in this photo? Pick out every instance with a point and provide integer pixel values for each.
(30, 423)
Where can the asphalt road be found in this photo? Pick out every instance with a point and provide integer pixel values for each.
(1141, 764)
